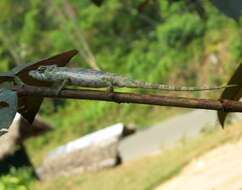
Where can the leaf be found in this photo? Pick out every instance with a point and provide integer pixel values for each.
(7, 112)
(231, 93)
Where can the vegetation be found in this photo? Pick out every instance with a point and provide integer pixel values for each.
(170, 41)
(16, 180)
(149, 172)
(144, 174)
(167, 42)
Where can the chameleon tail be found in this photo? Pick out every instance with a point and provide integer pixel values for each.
(140, 84)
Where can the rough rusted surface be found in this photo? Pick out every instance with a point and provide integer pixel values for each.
(222, 105)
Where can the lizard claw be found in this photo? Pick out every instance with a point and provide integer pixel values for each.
(109, 89)
(60, 87)
(58, 91)
(18, 81)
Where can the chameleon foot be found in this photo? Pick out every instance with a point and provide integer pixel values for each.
(60, 87)
(109, 90)
(18, 81)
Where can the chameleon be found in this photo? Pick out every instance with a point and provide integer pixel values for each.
(19, 76)
(100, 79)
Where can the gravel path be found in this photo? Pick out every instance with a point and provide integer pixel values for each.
(151, 140)
(219, 169)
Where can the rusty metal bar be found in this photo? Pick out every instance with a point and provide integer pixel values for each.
(209, 104)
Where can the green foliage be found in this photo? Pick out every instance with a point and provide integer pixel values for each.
(166, 42)
(179, 30)
(150, 172)
(16, 180)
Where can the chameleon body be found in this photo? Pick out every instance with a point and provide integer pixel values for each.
(99, 79)
(20, 75)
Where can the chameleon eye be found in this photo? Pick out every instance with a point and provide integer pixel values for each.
(41, 69)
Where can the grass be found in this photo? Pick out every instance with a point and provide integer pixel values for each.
(147, 173)
(48, 142)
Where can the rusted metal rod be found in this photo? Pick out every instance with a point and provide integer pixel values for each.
(209, 104)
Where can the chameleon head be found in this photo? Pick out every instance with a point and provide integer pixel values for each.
(43, 72)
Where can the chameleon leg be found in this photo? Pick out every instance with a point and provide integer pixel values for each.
(60, 86)
(109, 89)
(18, 81)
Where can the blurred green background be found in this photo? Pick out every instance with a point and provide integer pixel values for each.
(173, 42)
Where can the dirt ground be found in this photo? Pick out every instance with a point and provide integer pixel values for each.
(219, 169)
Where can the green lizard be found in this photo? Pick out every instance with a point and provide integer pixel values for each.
(19, 75)
(100, 79)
